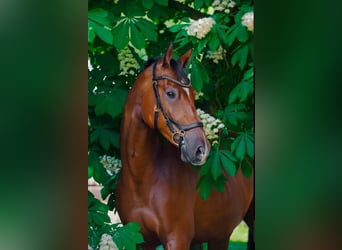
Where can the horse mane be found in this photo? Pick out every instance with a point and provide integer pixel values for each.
(150, 62)
(176, 66)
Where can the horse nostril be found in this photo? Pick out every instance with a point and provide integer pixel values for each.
(200, 151)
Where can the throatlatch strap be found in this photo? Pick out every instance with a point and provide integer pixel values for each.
(156, 108)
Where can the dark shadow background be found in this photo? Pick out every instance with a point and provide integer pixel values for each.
(43, 125)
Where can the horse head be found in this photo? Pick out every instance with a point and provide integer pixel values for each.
(169, 108)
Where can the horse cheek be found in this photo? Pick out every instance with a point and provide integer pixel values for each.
(147, 112)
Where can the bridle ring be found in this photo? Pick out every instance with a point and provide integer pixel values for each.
(180, 133)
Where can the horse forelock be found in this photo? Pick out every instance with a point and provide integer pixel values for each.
(150, 62)
(176, 67)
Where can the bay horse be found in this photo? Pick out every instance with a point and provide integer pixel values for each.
(161, 137)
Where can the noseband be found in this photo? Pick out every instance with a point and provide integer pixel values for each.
(169, 121)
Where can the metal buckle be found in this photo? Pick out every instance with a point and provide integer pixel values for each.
(156, 109)
(180, 133)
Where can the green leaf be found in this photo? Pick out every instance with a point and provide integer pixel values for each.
(204, 184)
(128, 236)
(228, 165)
(233, 94)
(181, 36)
(105, 137)
(147, 3)
(103, 32)
(232, 33)
(104, 193)
(245, 88)
(249, 145)
(236, 142)
(240, 149)
(233, 113)
(91, 33)
(93, 136)
(121, 36)
(241, 90)
(97, 218)
(242, 33)
(219, 183)
(99, 15)
(132, 226)
(137, 38)
(243, 56)
(196, 76)
(214, 42)
(97, 211)
(177, 27)
(215, 164)
(100, 173)
(222, 36)
(207, 166)
(208, 2)
(134, 9)
(98, 22)
(201, 45)
(105, 143)
(203, 72)
(229, 155)
(114, 138)
(147, 29)
(112, 103)
(162, 2)
(198, 4)
(240, 55)
(247, 170)
(236, 56)
(90, 171)
(248, 74)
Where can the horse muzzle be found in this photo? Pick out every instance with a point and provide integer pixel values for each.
(194, 150)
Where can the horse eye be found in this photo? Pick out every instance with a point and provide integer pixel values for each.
(171, 94)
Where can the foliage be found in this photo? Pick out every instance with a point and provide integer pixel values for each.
(120, 40)
(125, 237)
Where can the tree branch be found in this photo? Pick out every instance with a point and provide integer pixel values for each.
(194, 14)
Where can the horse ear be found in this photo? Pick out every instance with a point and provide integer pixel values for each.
(184, 59)
(168, 55)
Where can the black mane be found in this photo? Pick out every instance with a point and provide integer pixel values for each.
(150, 62)
(176, 66)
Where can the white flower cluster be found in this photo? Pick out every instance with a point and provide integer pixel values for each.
(198, 95)
(107, 243)
(217, 55)
(128, 64)
(223, 5)
(111, 164)
(211, 126)
(200, 28)
(248, 20)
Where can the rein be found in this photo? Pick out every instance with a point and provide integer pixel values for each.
(169, 121)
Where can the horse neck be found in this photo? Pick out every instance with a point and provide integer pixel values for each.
(139, 143)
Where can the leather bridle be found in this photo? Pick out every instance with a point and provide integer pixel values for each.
(169, 121)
